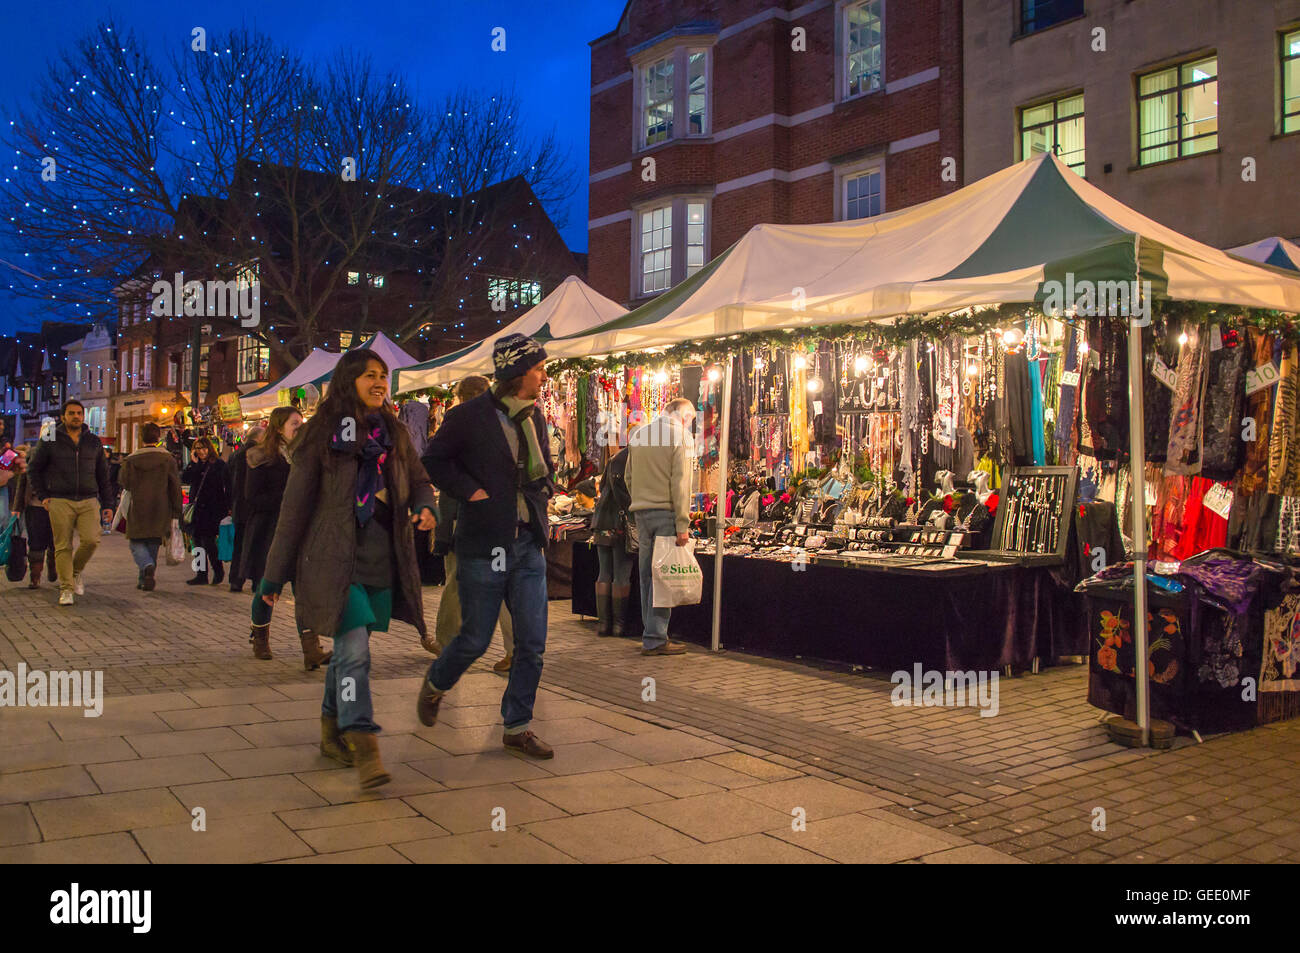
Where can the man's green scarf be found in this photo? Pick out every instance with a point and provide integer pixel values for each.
(532, 465)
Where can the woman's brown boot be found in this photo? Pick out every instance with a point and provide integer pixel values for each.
(364, 748)
(331, 745)
(618, 610)
(603, 608)
(37, 566)
(261, 639)
(313, 653)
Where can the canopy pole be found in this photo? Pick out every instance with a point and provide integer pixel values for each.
(720, 506)
(1137, 478)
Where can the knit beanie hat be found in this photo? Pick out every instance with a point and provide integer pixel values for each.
(514, 355)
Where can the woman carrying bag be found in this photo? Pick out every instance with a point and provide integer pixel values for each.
(263, 486)
(209, 505)
(614, 536)
(40, 535)
(345, 538)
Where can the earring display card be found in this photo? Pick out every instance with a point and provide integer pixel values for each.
(1033, 518)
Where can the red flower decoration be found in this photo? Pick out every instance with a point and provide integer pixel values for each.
(992, 503)
(947, 503)
(909, 501)
(785, 497)
(1083, 510)
(1087, 549)
(769, 500)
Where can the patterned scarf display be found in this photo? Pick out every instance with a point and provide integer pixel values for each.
(371, 443)
(1283, 452)
(1186, 424)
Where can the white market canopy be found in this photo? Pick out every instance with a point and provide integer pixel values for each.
(996, 241)
(1274, 251)
(572, 308)
(316, 369)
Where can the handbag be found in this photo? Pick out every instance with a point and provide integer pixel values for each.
(631, 545)
(119, 518)
(187, 514)
(7, 535)
(226, 540)
(16, 566)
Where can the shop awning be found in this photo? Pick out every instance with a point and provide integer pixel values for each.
(315, 364)
(994, 242)
(572, 308)
(1274, 251)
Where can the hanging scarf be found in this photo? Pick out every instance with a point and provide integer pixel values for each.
(371, 445)
(531, 463)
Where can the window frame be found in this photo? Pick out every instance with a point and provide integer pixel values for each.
(1055, 103)
(851, 170)
(1283, 59)
(1178, 89)
(246, 345)
(677, 265)
(1020, 19)
(679, 55)
(842, 94)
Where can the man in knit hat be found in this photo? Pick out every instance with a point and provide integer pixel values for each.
(492, 454)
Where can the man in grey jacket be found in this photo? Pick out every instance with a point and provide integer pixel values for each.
(659, 464)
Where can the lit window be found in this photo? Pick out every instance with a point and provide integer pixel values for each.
(254, 361)
(512, 292)
(144, 366)
(376, 281)
(864, 48)
(696, 91)
(863, 195)
(1178, 111)
(656, 249)
(694, 237)
(1291, 82)
(246, 277)
(171, 370)
(657, 101)
(1038, 15)
(1054, 127)
(345, 340)
(354, 277)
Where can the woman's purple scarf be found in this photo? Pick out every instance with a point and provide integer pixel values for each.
(372, 444)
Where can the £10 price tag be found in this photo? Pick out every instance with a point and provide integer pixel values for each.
(1218, 499)
(1260, 377)
(1164, 373)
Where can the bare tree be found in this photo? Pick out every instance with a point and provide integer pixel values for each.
(245, 156)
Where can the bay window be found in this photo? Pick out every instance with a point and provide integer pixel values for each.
(669, 86)
(671, 243)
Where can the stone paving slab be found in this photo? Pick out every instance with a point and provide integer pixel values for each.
(712, 771)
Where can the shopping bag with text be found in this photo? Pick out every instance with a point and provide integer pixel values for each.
(677, 577)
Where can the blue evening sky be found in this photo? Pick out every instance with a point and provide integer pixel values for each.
(438, 44)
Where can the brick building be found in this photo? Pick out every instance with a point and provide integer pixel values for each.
(1187, 111)
(711, 116)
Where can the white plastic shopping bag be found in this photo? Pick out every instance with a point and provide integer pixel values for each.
(675, 573)
(119, 518)
(175, 545)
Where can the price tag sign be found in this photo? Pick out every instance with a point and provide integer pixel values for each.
(1219, 500)
(1260, 377)
(1069, 378)
(1216, 338)
(1164, 373)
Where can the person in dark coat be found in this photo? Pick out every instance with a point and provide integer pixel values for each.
(610, 522)
(206, 476)
(155, 486)
(40, 537)
(268, 473)
(236, 473)
(345, 538)
(492, 454)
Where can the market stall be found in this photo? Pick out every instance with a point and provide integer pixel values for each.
(1016, 293)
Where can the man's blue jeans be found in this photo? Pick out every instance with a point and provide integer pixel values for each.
(145, 552)
(649, 524)
(516, 575)
(349, 701)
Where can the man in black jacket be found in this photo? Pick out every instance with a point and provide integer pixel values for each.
(492, 454)
(69, 473)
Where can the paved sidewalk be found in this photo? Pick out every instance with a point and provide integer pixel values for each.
(711, 770)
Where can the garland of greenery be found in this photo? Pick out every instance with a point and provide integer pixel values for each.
(909, 328)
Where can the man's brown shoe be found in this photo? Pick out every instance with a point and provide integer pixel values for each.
(525, 742)
(504, 664)
(426, 704)
(668, 648)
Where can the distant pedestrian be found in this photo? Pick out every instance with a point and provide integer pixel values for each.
(150, 476)
(345, 539)
(613, 533)
(206, 476)
(659, 479)
(236, 473)
(493, 455)
(268, 474)
(69, 475)
(448, 624)
(36, 521)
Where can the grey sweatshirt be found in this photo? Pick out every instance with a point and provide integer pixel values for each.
(659, 462)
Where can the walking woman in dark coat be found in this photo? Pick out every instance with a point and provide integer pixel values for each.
(206, 476)
(263, 486)
(612, 527)
(346, 540)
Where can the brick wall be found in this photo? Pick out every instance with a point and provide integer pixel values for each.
(756, 74)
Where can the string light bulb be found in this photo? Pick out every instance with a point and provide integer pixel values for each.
(714, 374)
(1011, 338)
(814, 384)
(1182, 339)
(972, 369)
(759, 364)
(800, 362)
(661, 377)
(860, 365)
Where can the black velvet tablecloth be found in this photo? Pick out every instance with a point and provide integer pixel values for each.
(982, 617)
